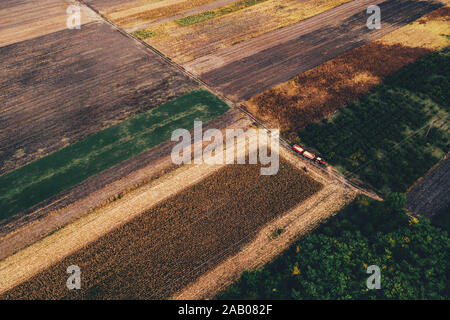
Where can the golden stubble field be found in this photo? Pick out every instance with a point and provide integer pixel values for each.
(186, 43)
(181, 227)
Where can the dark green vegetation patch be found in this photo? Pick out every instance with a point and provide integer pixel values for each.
(331, 262)
(391, 136)
(67, 167)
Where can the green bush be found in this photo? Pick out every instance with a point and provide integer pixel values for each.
(144, 34)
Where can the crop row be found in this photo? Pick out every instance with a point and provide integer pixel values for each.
(182, 43)
(172, 244)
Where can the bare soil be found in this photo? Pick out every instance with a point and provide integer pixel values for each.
(430, 195)
(61, 87)
(240, 72)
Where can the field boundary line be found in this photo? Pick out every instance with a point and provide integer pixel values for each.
(268, 224)
(189, 74)
(300, 214)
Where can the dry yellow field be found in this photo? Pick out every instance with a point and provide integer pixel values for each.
(186, 43)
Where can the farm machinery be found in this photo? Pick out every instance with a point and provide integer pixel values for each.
(309, 155)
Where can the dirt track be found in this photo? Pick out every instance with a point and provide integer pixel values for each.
(255, 65)
(430, 196)
(59, 88)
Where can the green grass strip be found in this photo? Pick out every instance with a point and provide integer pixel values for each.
(190, 20)
(67, 167)
(144, 34)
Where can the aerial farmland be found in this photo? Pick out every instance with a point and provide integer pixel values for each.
(224, 149)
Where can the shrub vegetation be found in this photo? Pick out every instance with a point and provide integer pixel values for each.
(391, 136)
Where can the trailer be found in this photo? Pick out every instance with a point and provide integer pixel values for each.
(309, 155)
(298, 148)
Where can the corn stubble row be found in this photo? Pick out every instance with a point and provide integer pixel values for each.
(171, 245)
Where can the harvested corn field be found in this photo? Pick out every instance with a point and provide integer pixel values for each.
(321, 91)
(258, 64)
(183, 237)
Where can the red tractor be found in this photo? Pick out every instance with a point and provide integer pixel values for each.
(321, 162)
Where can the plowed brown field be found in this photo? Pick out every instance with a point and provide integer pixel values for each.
(429, 196)
(172, 244)
(61, 87)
